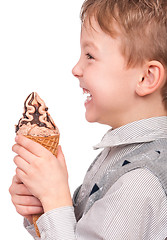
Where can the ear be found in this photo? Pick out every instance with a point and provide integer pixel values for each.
(152, 79)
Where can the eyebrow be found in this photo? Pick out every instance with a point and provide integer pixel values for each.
(90, 44)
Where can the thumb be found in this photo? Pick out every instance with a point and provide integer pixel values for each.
(60, 156)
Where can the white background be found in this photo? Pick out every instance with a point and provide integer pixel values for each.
(39, 45)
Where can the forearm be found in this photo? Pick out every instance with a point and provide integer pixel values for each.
(55, 200)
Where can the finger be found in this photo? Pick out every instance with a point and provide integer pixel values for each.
(16, 180)
(21, 175)
(21, 189)
(21, 163)
(18, 187)
(28, 210)
(26, 201)
(33, 147)
(60, 154)
(22, 152)
(60, 157)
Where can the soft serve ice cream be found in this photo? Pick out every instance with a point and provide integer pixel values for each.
(36, 120)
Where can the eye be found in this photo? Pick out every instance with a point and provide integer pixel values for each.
(89, 56)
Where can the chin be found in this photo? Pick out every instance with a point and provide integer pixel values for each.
(90, 119)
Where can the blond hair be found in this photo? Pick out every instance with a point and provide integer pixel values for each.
(142, 28)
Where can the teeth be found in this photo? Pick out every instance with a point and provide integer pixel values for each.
(85, 91)
(88, 95)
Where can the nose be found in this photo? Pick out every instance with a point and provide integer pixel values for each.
(77, 70)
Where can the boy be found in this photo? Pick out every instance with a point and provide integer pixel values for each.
(122, 68)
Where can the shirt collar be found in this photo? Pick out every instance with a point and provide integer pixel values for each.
(141, 131)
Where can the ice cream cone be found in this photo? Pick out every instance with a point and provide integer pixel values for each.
(37, 124)
(50, 143)
(35, 218)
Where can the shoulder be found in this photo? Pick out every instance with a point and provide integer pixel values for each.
(140, 183)
(135, 204)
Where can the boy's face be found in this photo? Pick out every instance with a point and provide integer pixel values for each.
(102, 73)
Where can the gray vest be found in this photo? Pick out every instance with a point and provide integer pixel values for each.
(151, 155)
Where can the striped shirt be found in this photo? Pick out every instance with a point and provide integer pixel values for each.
(134, 208)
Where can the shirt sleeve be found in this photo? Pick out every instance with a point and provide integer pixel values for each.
(57, 224)
(135, 207)
(30, 228)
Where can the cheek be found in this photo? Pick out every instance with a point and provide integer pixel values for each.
(112, 95)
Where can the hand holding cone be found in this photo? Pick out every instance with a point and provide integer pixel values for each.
(50, 143)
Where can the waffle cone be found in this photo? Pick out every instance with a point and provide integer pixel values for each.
(50, 143)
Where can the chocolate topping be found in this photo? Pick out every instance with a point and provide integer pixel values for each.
(35, 112)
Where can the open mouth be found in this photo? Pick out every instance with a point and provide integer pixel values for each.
(88, 95)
